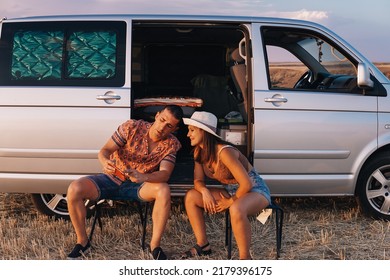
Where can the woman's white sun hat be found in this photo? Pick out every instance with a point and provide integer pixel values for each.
(203, 120)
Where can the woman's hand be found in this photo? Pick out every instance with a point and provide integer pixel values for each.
(223, 203)
(209, 203)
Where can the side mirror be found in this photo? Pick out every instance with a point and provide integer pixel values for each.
(363, 77)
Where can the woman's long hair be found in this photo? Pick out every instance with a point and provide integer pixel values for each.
(208, 153)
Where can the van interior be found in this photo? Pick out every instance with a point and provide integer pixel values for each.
(198, 67)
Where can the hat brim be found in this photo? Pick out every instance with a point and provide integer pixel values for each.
(188, 121)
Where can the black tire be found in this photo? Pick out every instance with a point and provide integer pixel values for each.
(373, 187)
(51, 204)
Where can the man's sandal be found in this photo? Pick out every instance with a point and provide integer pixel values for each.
(199, 251)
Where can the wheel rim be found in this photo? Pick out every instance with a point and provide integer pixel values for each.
(378, 190)
(57, 203)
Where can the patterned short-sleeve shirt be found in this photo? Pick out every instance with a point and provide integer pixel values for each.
(131, 137)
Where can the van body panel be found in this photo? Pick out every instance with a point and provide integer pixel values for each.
(43, 139)
(384, 119)
(40, 182)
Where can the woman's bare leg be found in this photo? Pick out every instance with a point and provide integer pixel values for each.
(247, 205)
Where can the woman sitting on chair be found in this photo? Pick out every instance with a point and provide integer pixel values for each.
(245, 192)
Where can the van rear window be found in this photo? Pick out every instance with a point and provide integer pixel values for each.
(66, 53)
(37, 55)
(91, 55)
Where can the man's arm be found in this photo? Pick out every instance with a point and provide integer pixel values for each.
(104, 156)
(160, 176)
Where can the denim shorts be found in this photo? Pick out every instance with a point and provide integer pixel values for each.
(109, 189)
(259, 186)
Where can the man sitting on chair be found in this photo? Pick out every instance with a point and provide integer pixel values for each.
(137, 163)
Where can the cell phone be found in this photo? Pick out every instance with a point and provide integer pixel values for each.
(118, 173)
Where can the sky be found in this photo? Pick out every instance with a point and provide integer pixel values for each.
(363, 24)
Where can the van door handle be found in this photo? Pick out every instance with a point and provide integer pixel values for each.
(273, 99)
(109, 97)
(277, 99)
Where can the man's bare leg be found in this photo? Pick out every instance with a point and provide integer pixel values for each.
(78, 192)
(160, 193)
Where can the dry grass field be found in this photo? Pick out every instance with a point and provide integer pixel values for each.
(314, 229)
(385, 68)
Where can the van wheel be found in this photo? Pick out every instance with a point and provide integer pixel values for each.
(373, 187)
(51, 204)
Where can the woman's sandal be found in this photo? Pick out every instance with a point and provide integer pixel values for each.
(199, 251)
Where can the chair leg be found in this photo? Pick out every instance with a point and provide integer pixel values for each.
(279, 216)
(144, 218)
(228, 234)
(279, 229)
(96, 218)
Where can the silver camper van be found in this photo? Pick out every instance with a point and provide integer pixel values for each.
(310, 112)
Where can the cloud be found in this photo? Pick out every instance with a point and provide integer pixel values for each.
(303, 14)
(310, 15)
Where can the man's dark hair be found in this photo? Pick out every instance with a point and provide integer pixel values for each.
(176, 111)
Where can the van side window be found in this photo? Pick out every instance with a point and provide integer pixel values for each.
(63, 54)
(37, 55)
(91, 55)
(301, 60)
(284, 68)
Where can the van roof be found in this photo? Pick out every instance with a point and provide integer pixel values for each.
(165, 17)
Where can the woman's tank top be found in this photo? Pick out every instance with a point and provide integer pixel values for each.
(221, 172)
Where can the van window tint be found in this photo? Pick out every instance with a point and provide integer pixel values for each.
(63, 53)
(37, 55)
(91, 55)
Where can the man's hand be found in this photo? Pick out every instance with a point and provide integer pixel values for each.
(112, 169)
(109, 167)
(135, 176)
